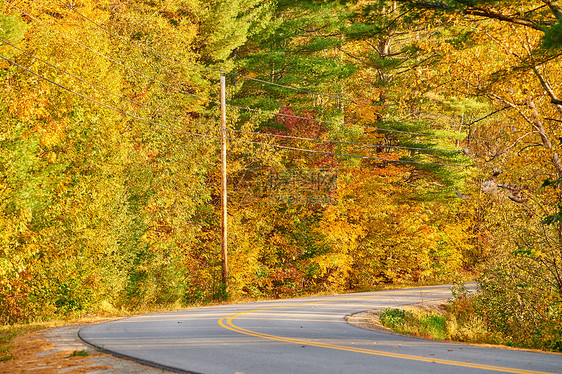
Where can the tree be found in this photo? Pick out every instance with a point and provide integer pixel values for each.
(515, 64)
(100, 208)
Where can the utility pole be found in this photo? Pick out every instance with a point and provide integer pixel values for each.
(224, 196)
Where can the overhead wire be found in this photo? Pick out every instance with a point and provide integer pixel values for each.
(362, 103)
(411, 162)
(298, 89)
(108, 106)
(302, 90)
(156, 54)
(97, 87)
(107, 58)
(335, 97)
(138, 46)
(219, 137)
(181, 118)
(369, 145)
(242, 76)
(242, 108)
(349, 124)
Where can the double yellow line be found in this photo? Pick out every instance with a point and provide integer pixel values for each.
(227, 323)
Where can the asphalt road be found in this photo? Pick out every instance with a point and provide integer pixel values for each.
(308, 335)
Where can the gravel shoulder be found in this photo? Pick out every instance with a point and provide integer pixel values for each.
(60, 350)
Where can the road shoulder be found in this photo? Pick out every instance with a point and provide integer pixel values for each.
(60, 350)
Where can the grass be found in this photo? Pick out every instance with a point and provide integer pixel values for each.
(434, 325)
(10, 332)
(431, 325)
(82, 353)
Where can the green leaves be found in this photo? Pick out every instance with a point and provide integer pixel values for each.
(12, 28)
(553, 36)
(227, 25)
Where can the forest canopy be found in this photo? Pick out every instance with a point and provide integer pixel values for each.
(370, 142)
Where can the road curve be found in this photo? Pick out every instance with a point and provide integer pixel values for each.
(307, 335)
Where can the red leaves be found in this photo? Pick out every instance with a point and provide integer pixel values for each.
(297, 127)
(304, 124)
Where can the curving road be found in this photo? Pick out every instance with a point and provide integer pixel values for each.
(306, 335)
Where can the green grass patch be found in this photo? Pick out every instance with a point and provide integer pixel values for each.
(424, 324)
(82, 353)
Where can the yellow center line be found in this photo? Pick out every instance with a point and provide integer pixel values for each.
(227, 323)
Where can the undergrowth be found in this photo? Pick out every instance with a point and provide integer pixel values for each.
(470, 318)
(424, 324)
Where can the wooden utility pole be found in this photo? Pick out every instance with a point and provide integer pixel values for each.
(224, 196)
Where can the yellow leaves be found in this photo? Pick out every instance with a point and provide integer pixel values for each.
(52, 133)
(336, 226)
(95, 193)
(336, 266)
(56, 10)
(368, 113)
(387, 238)
(30, 104)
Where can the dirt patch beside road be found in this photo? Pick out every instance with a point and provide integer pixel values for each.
(60, 350)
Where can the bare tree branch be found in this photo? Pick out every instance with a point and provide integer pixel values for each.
(483, 12)
(553, 98)
(554, 8)
(537, 123)
(544, 137)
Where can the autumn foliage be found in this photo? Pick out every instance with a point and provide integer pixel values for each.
(431, 152)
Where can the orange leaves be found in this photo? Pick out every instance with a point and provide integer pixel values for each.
(53, 133)
(388, 238)
(30, 104)
(367, 114)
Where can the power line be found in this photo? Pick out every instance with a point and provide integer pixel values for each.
(347, 124)
(108, 106)
(146, 50)
(302, 90)
(432, 114)
(346, 142)
(151, 78)
(179, 118)
(355, 101)
(218, 137)
(352, 155)
(152, 52)
(166, 113)
(217, 70)
(95, 85)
